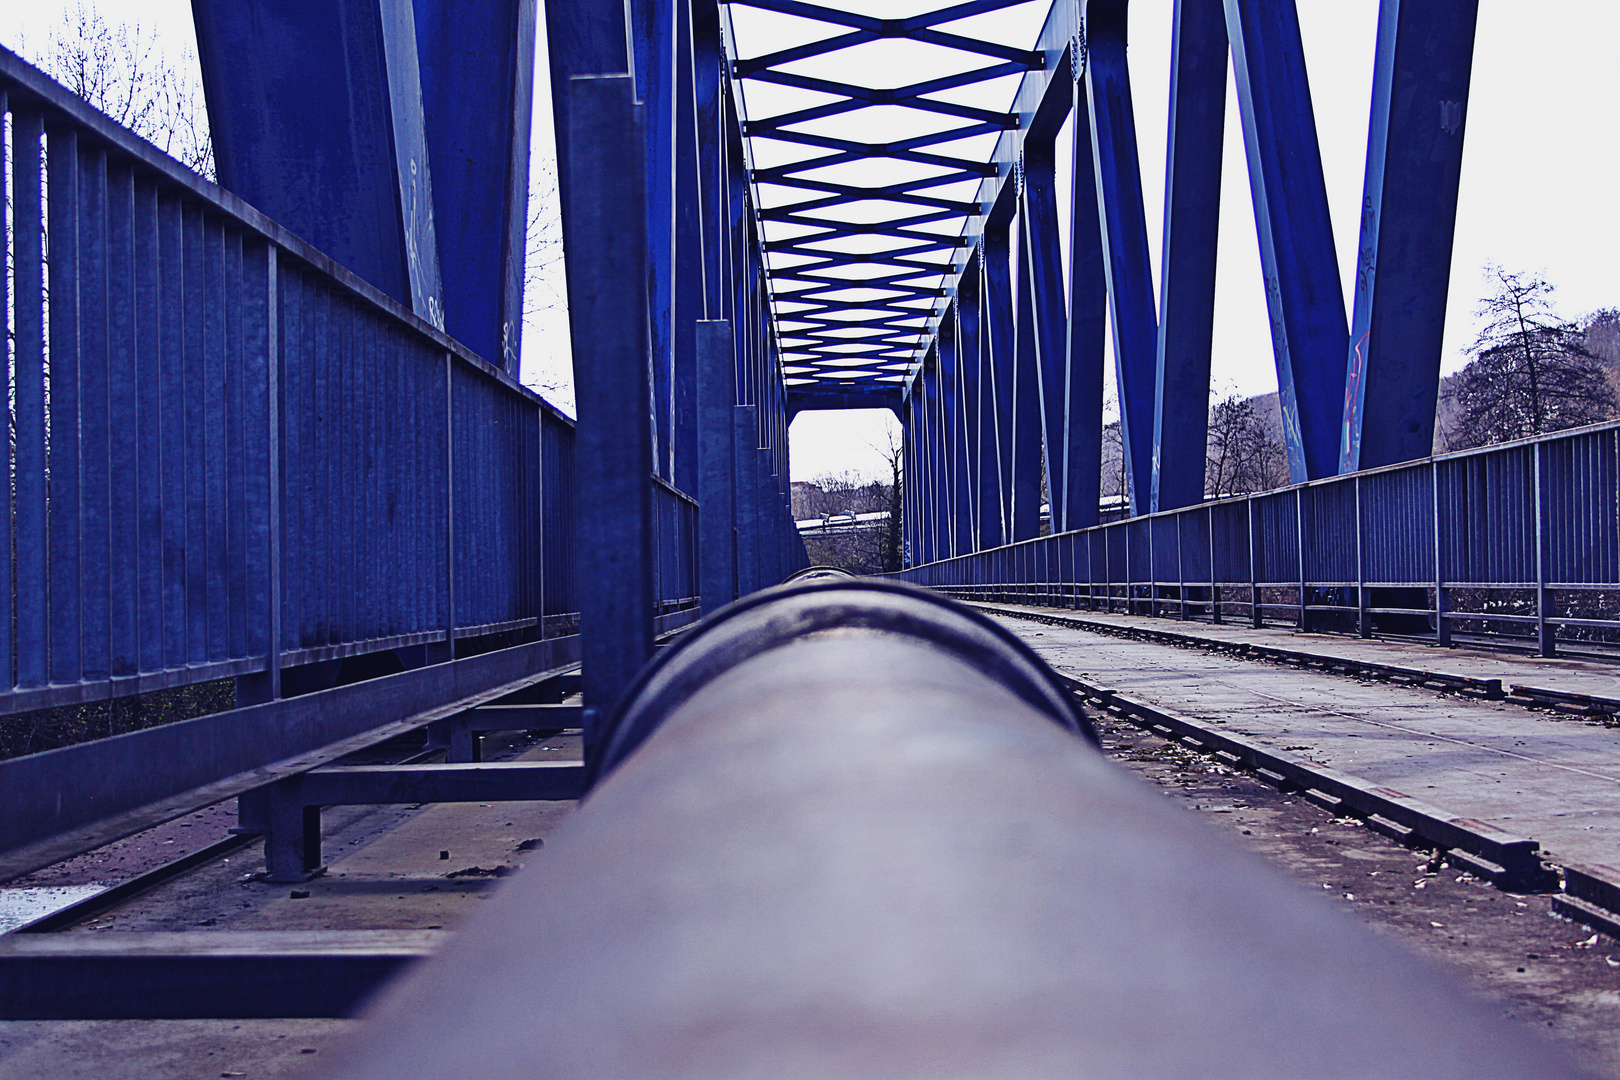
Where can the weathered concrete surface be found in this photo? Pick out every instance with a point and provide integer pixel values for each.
(1562, 673)
(1537, 969)
(1555, 780)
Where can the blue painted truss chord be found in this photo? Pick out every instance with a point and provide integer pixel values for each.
(1088, 322)
(1130, 275)
(1192, 207)
(1025, 414)
(1043, 258)
(1001, 336)
(1409, 211)
(1303, 292)
(477, 72)
(315, 110)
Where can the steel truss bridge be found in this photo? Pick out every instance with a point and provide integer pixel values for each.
(270, 431)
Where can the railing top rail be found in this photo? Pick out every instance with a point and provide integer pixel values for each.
(28, 86)
(1232, 500)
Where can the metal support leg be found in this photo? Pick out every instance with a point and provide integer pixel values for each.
(607, 307)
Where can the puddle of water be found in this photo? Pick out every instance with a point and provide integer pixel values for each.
(21, 906)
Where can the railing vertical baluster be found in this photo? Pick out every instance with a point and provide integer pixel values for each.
(33, 515)
(1363, 619)
(95, 544)
(1257, 613)
(1442, 628)
(62, 193)
(170, 256)
(449, 489)
(238, 566)
(7, 431)
(123, 430)
(1299, 548)
(1546, 643)
(273, 505)
(216, 419)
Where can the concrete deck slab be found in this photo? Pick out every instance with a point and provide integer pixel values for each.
(1564, 674)
(1540, 776)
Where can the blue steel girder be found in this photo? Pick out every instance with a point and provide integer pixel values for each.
(867, 227)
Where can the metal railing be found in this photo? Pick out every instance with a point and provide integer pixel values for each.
(1520, 540)
(229, 456)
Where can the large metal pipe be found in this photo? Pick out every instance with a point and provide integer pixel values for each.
(849, 830)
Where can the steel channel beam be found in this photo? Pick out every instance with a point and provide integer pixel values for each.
(315, 111)
(1192, 208)
(607, 304)
(222, 975)
(1421, 76)
(1125, 246)
(1309, 334)
(476, 59)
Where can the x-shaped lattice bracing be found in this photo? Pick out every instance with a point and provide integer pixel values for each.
(865, 237)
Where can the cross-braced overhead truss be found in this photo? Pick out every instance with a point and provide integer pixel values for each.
(869, 194)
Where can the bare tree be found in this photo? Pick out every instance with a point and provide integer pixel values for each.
(121, 69)
(1244, 454)
(891, 553)
(1532, 371)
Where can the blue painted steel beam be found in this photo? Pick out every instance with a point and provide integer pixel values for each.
(1309, 334)
(715, 488)
(1001, 337)
(956, 427)
(1124, 230)
(315, 110)
(477, 72)
(1025, 399)
(652, 45)
(970, 344)
(1409, 211)
(1192, 207)
(607, 304)
(1088, 320)
(583, 37)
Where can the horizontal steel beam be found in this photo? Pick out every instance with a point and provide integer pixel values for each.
(64, 802)
(290, 810)
(193, 975)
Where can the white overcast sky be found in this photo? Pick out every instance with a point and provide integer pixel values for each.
(1540, 163)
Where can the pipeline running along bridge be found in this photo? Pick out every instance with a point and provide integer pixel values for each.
(267, 437)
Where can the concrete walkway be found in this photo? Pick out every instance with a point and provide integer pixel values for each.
(1550, 778)
(1563, 674)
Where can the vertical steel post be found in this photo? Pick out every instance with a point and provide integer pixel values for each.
(1257, 615)
(607, 304)
(1546, 633)
(1442, 626)
(1363, 619)
(716, 391)
(1299, 543)
(745, 500)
